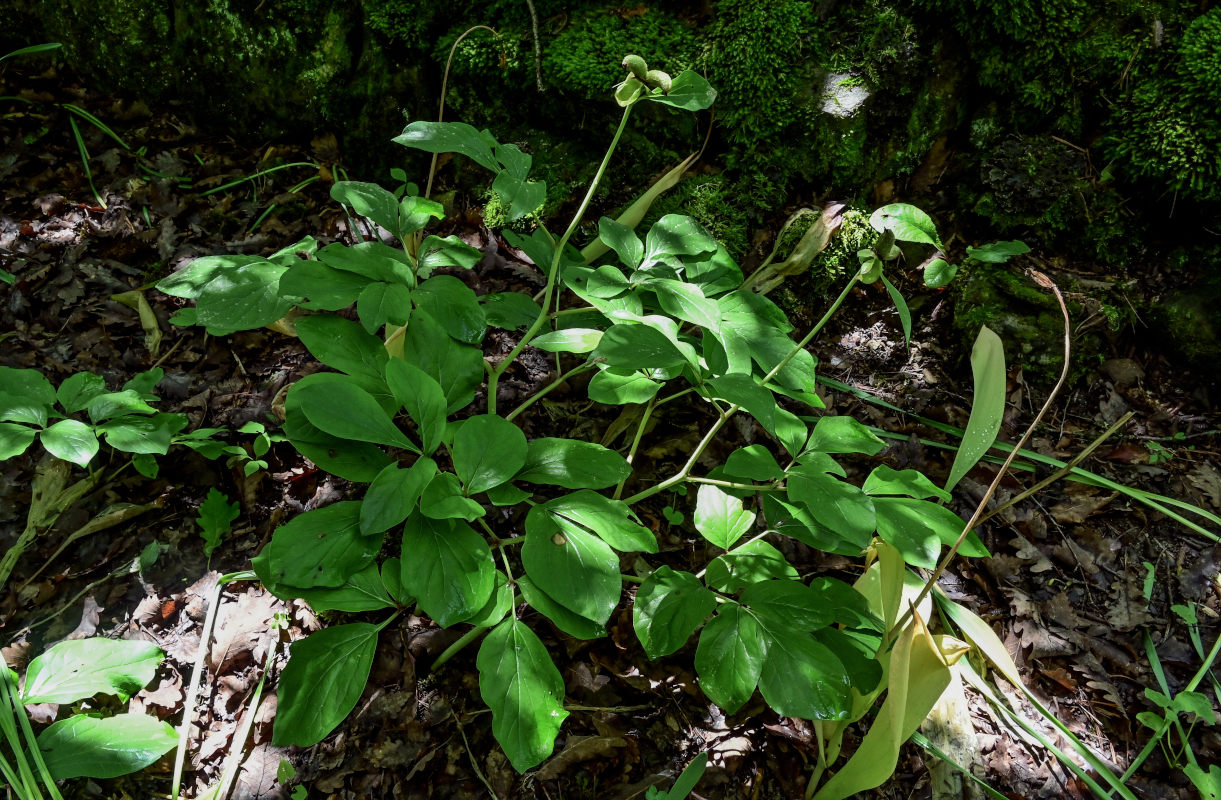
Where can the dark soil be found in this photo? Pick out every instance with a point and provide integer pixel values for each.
(1068, 586)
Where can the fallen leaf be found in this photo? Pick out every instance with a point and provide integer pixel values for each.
(578, 749)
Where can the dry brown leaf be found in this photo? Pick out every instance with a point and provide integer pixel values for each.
(1207, 479)
(579, 748)
(1028, 552)
(1076, 511)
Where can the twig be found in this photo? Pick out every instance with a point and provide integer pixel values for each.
(471, 756)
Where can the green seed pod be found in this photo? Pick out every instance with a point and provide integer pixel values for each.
(635, 65)
(656, 79)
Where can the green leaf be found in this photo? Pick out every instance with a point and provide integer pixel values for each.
(293, 253)
(450, 251)
(720, 517)
(318, 548)
(510, 310)
(488, 451)
(574, 567)
(393, 495)
(336, 405)
(190, 281)
(242, 299)
(676, 235)
(760, 403)
(115, 404)
(729, 657)
(630, 347)
(623, 240)
(801, 677)
(765, 328)
(363, 591)
(506, 494)
(997, 252)
(687, 302)
(566, 620)
(524, 690)
(689, 91)
(457, 367)
(451, 137)
(884, 480)
(796, 521)
(452, 303)
(520, 196)
(79, 390)
(802, 608)
(443, 499)
(987, 406)
(70, 440)
(383, 303)
(905, 314)
(749, 564)
(76, 669)
(151, 435)
(14, 439)
(355, 461)
(216, 515)
(617, 387)
(416, 212)
(87, 746)
(1208, 784)
(25, 396)
(753, 463)
(611, 520)
(342, 344)
(369, 200)
(372, 260)
(325, 676)
(908, 223)
(448, 567)
(840, 506)
(918, 529)
(938, 273)
(423, 398)
(843, 434)
(573, 464)
(498, 605)
(669, 607)
(568, 340)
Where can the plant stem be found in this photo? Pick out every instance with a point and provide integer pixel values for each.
(553, 272)
(631, 453)
(731, 485)
(456, 647)
(541, 393)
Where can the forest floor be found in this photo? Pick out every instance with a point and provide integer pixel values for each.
(1080, 577)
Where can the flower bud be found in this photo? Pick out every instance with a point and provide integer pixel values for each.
(656, 79)
(635, 65)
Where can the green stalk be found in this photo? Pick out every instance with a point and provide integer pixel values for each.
(553, 272)
(631, 453)
(541, 393)
(257, 175)
(8, 715)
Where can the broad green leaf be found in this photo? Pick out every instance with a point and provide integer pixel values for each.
(524, 690)
(393, 495)
(765, 328)
(566, 620)
(88, 746)
(373, 260)
(318, 548)
(689, 91)
(488, 451)
(754, 463)
(381, 303)
(416, 212)
(687, 302)
(445, 252)
(605, 282)
(987, 405)
(448, 567)
(422, 397)
(574, 567)
(840, 506)
(611, 520)
(720, 517)
(451, 137)
(336, 405)
(846, 605)
(938, 273)
(295, 252)
(115, 404)
(918, 529)
(843, 434)
(325, 676)
(363, 591)
(369, 200)
(355, 461)
(905, 314)
(520, 196)
(78, 391)
(630, 347)
(243, 299)
(760, 403)
(856, 650)
(715, 273)
(908, 223)
(452, 303)
(498, 605)
(568, 340)
(687, 780)
(726, 351)
(802, 608)
(25, 396)
(322, 288)
(392, 579)
(573, 464)
(623, 240)
(76, 669)
(1208, 784)
(795, 520)
(510, 310)
(342, 344)
(506, 494)
(443, 499)
(801, 677)
(729, 657)
(15, 439)
(884, 480)
(457, 367)
(70, 440)
(190, 281)
(676, 235)
(669, 607)
(997, 252)
(151, 435)
(617, 387)
(746, 565)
